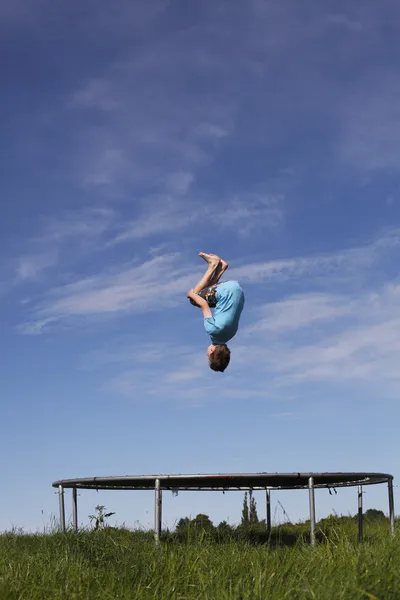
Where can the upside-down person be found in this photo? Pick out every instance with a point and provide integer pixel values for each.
(228, 300)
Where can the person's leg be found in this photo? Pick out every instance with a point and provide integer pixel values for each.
(213, 263)
(220, 270)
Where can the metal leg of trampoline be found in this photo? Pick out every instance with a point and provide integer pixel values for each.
(360, 513)
(268, 519)
(391, 505)
(312, 509)
(157, 512)
(62, 507)
(75, 508)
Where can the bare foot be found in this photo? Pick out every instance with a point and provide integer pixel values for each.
(224, 264)
(211, 259)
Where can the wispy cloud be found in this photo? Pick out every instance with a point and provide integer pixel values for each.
(284, 415)
(300, 311)
(137, 288)
(179, 369)
(351, 338)
(124, 350)
(31, 267)
(143, 138)
(241, 214)
(249, 211)
(165, 215)
(179, 182)
(210, 130)
(97, 94)
(347, 339)
(71, 239)
(343, 262)
(368, 354)
(82, 223)
(133, 288)
(173, 373)
(183, 378)
(61, 238)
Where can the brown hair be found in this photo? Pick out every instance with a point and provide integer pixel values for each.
(220, 358)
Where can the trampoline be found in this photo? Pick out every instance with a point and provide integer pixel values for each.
(225, 482)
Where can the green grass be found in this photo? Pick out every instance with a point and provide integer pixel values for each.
(118, 564)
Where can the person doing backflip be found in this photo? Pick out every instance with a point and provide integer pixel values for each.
(228, 300)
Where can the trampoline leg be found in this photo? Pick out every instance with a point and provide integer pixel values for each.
(75, 508)
(62, 507)
(157, 512)
(268, 519)
(391, 505)
(360, 513)
(312, 509)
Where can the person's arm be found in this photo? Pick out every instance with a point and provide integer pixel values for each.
(205, 309)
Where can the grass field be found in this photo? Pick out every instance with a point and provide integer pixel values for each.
(118, 564)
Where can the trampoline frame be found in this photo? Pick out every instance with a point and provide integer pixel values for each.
(225, 482)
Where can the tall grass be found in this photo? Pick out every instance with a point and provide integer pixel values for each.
(119, 564)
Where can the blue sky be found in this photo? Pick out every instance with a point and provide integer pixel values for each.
(135, 135)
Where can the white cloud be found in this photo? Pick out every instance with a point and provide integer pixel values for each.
(191, 385)
(124, 349)
(46, 248)
(209, 130)
(192, 366)
(30, 267)
(178, 368)
(284, 415)
(166, 213)
(70, 238)
(107, 162)
(249, 211)
(83, 223)
(154, 122)
(368, 353)
(300, 311)
(351, 338)
(164, 216)
(356, 341)
(136, 288)
(147, 132)
(35, 327)
(343, 262)
(95, 94)
(179, 182)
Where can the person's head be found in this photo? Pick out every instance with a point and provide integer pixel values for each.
(219, 356)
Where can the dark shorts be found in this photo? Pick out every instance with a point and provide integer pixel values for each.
(207, 293)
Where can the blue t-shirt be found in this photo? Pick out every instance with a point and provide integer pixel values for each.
(223, 325)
